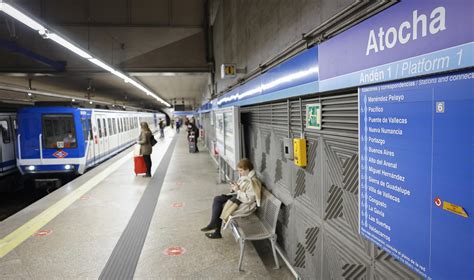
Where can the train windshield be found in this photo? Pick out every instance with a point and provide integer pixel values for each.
(59, 132)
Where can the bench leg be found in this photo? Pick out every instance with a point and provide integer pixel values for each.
(273, 241)
(242, 248)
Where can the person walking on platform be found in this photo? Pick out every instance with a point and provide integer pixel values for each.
(241, 201)
(192, 128)
(178, 124)
(145, 146)
(162, 128)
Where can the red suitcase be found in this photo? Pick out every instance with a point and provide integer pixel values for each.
(140, 166)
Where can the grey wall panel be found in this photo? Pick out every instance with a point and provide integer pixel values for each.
(343, 261)
(309, 237)
(318, 223)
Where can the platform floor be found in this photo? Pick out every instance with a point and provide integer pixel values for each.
(84, 225)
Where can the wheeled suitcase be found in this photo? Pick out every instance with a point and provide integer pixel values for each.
(192, 147)
(192, 143)
(140, 166)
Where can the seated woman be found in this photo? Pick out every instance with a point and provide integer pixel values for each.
(245, 193)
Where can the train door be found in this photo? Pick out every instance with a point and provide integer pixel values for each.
(14, 133)
(100, 138)
(7, 153)
(111, 137)
(116, 132)
(119, 126)
(2, 146)
(91, 141)
(119, 134)
(106, 135)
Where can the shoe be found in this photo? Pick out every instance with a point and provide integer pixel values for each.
(208, 228)
(147, 176)
(214, 235)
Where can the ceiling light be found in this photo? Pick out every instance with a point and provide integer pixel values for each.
(68, 45)
(30, 94)
(73, 100)
(14, 13)
(49, 34)
(90, 102)
(122, 76)
(102, 65)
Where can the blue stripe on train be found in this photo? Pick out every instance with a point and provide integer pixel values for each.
(109, 154)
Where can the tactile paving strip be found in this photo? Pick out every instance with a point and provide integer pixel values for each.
(124, 258)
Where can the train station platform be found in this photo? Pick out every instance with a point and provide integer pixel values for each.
(111, 224)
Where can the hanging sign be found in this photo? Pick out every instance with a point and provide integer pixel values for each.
(228, 70)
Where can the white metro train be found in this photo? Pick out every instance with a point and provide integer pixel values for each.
(7, 143)
(53, 140)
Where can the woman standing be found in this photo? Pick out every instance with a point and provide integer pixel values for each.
(145, 146)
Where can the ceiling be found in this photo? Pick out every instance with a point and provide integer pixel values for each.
(160, 43)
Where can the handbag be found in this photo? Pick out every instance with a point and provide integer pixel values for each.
(230, 206)
(153, 140)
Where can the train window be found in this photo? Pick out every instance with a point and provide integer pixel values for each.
(105, 128)
(5, 131)
(84, 129)
(59, 131)
(99, 128)
(115, 126)
(111, 131)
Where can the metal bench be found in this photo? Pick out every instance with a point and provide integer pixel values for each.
(259, 225)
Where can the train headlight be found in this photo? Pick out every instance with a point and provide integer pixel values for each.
(30, 168)
(68, 167)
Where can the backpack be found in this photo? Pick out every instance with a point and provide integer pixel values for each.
(153, 140)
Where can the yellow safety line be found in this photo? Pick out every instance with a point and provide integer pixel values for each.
(14, 239)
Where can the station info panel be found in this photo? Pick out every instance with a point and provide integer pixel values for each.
(416, 172)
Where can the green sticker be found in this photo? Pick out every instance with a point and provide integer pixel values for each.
(313, 116)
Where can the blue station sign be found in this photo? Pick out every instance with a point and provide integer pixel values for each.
(416, 172)
(409, 39)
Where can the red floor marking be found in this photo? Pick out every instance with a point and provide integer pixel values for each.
(177, 205)
(43, 232)
(179, 183)
(174, 251)
(85, 197)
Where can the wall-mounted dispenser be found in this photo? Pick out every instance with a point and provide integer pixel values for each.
(299, 147)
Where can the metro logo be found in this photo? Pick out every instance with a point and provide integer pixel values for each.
(407, 31)
(60, 154)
